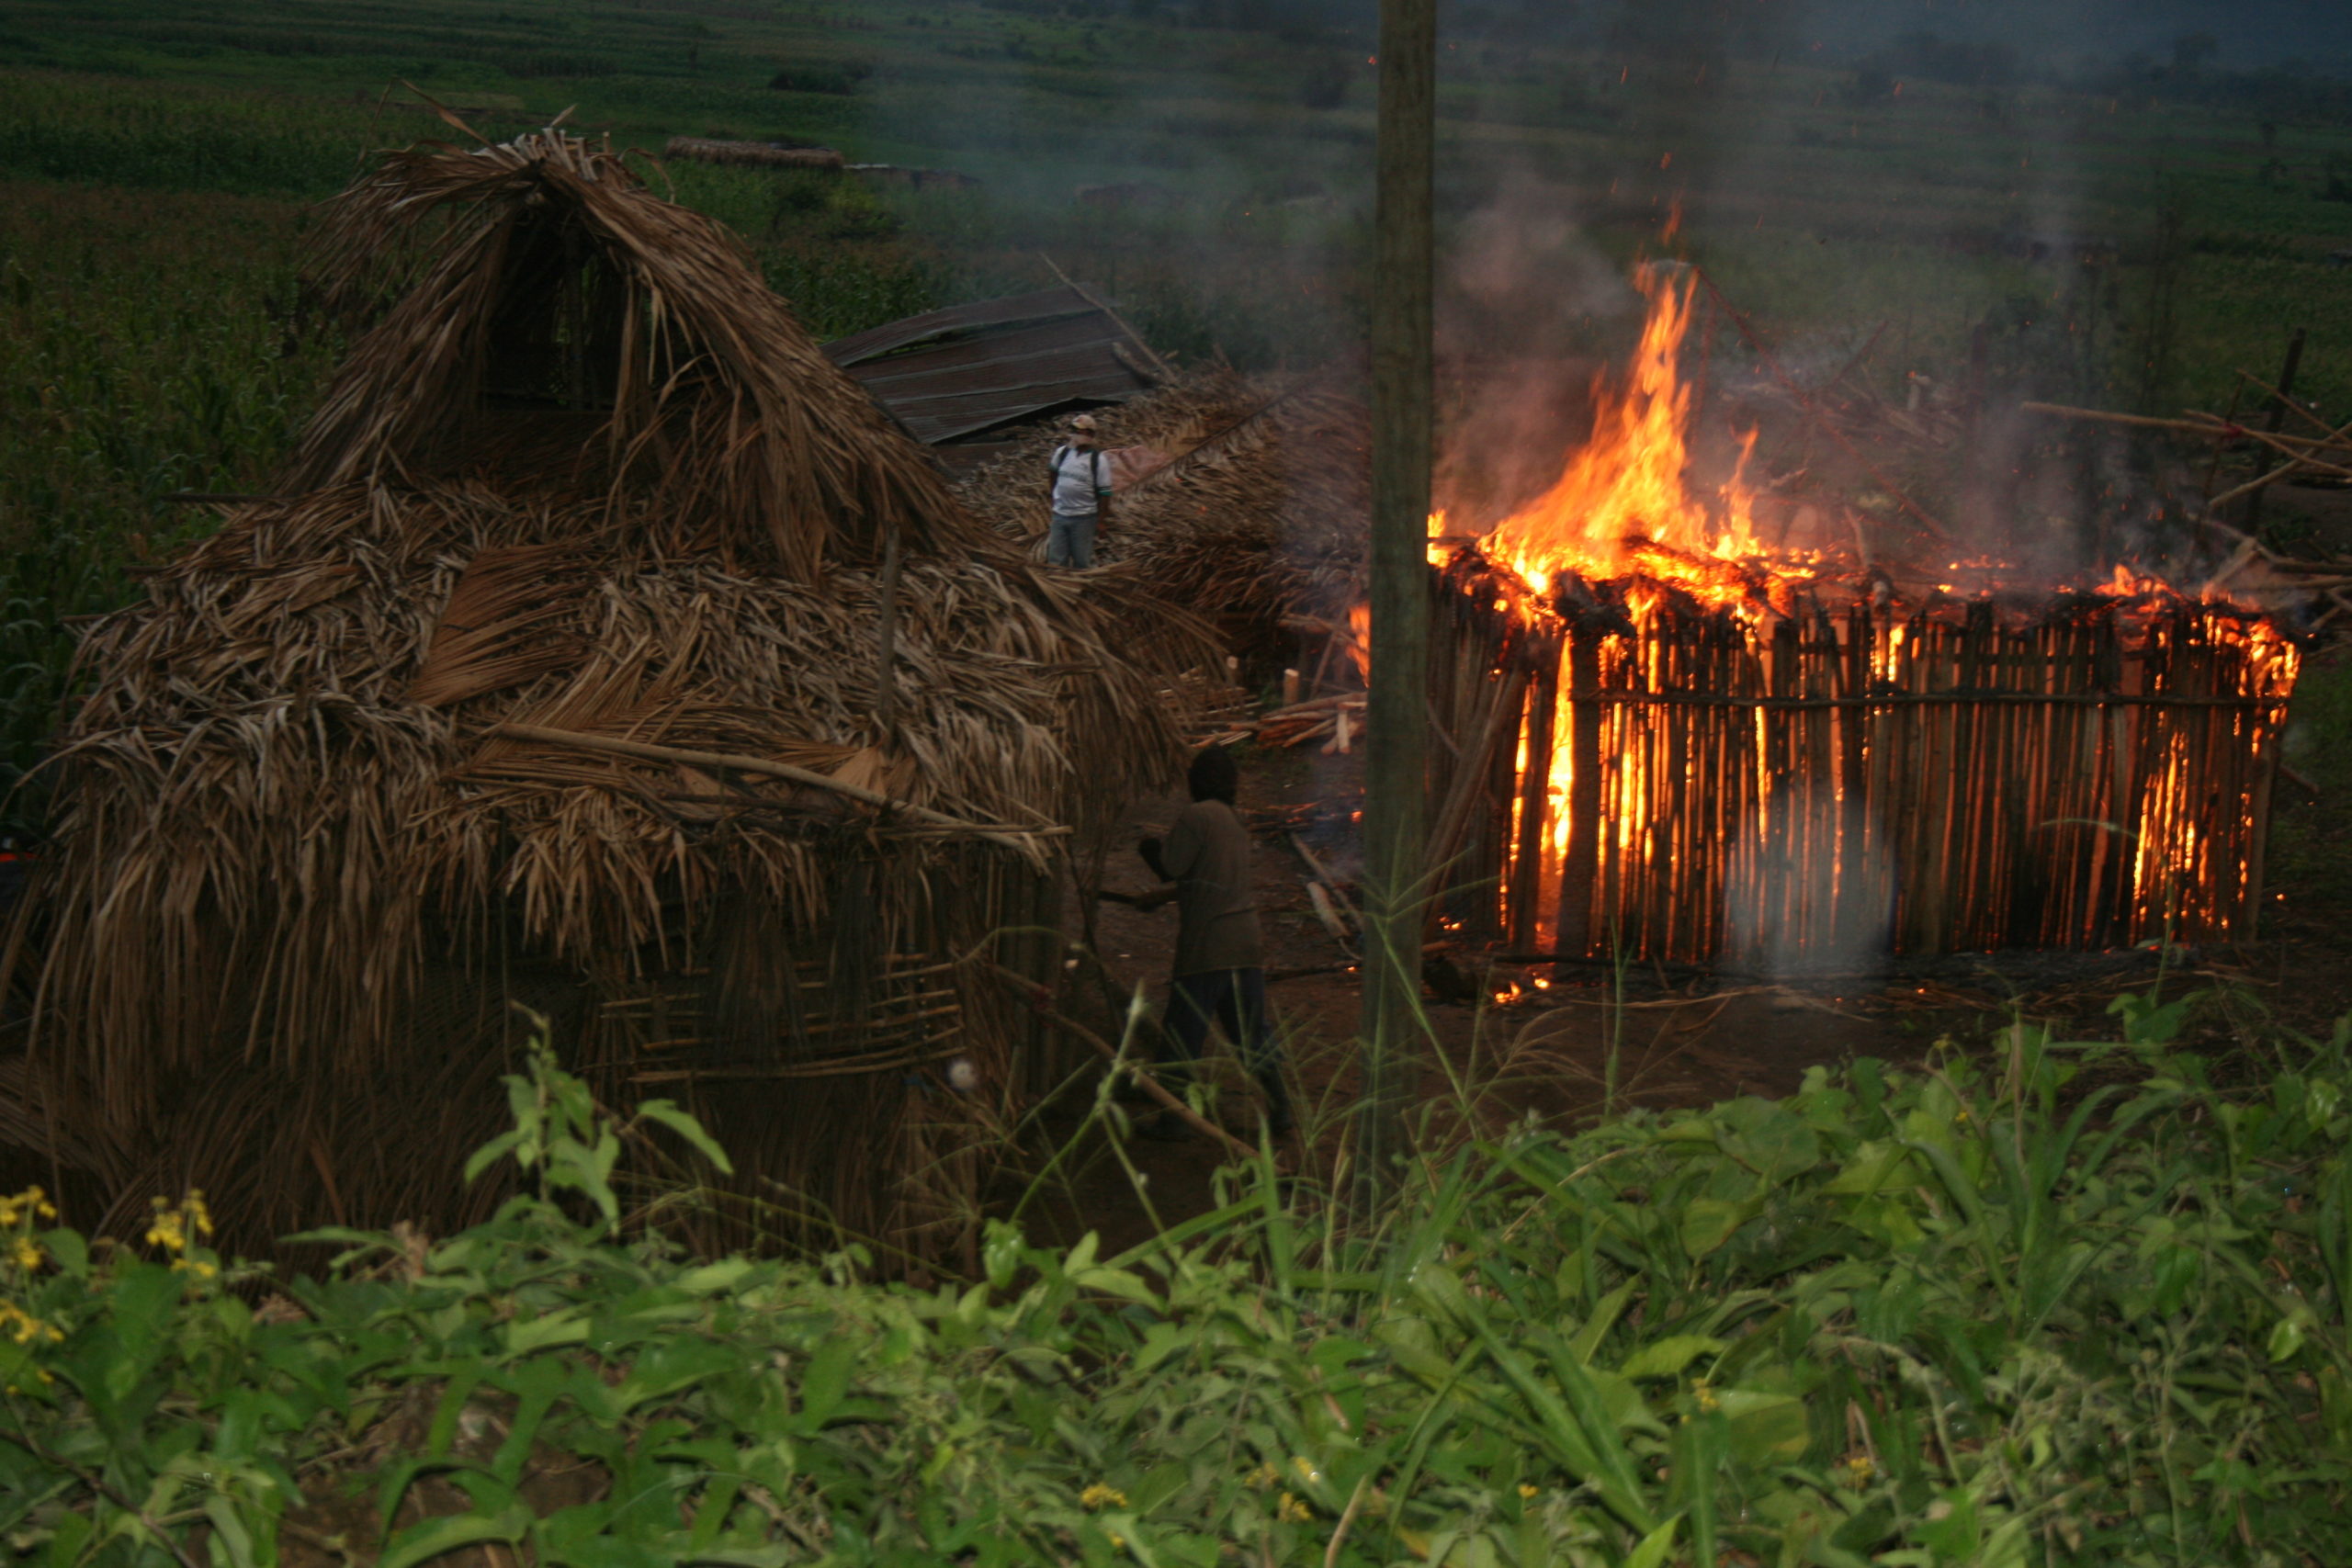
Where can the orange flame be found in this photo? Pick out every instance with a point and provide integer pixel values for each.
(1360, 640)
(1627, 491)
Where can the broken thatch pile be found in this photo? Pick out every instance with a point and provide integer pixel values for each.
(1243, 502)
(404, 745)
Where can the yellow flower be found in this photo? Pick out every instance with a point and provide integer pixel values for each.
(173, 1227)
(1306, 1467)
(1859, 1468)
(28, 1254)
(1527, 1491)
(24, 1328)
(1290, 1510)
(32, 1203)
(196, 1265)
(1118, 1542)
(1706, 1396)
(167, 1231)
(1099, 1496)
(1266, 1475)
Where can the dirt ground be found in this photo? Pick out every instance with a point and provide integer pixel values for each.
(1567, 1053)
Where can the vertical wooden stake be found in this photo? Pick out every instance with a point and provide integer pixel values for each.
(1402, 424)
(1586, 819)
(1535, 801)
(2278, 417)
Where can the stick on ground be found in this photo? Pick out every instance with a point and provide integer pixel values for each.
(1141, 1072)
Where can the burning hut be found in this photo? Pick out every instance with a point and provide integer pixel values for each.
(604, 650)
(1671, 741)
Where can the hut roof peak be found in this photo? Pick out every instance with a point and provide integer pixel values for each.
(555, 326)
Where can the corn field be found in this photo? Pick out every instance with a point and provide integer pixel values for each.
(150, 344)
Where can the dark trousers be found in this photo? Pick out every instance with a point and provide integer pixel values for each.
(1236, 1000)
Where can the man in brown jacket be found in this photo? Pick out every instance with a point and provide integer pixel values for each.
(1219, 972)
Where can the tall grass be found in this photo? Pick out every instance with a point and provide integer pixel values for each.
(148, 346)
(835, 249)
(2310, 855)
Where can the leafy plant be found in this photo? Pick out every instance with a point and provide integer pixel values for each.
(1973, 1315)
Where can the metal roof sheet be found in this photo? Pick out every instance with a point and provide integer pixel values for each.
(971, 368)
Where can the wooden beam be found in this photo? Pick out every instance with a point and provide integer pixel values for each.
(1158, 365)
(1402, 437)
(1011, 837)
(2276, 418)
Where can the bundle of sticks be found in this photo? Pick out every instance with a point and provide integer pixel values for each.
(1337, 721)
(2254, 572)
(2257, 574)
(2326, 454)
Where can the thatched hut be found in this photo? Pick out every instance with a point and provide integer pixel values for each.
(403, 746)
(1246, 500)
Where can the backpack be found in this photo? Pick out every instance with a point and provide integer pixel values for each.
(1054, 468)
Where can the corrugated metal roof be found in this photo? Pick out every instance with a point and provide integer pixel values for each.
(950, 374)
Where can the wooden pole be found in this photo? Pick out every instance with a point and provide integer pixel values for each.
(1402, 425)
(1582, 868)
(2277, 416)
(1535, 798)
(2211, 426)
(1159, 367)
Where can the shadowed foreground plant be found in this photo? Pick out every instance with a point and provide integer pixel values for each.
(1967, 1316)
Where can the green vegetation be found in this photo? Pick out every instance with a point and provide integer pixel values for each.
(2311, 852)
(98, 130)
(1256, 145)
(1962, 1315)
(150, 343)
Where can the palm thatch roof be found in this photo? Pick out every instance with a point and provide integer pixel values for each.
(1246, 500)
(585, 475)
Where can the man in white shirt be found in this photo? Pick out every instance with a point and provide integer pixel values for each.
(1078, 491)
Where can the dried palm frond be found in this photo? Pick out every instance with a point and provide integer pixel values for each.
(547, 294)
(499, 627)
